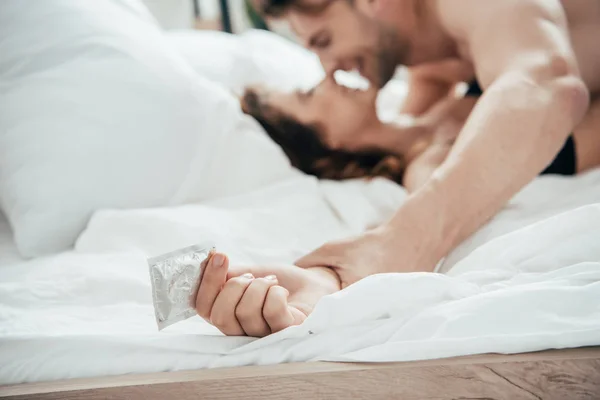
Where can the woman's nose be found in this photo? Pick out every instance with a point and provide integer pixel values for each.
(330, 66)
(330, 79)
(333, 64)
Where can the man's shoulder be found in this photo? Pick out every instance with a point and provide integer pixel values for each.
(460, 17)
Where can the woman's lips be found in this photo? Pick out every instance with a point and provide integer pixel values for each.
(360, 66)
(348, 90)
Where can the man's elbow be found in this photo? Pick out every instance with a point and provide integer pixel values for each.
(567, 88)
(572, 93)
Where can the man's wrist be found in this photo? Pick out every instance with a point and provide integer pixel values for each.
(331, 280)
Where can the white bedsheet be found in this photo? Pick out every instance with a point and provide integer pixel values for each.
(529, 281)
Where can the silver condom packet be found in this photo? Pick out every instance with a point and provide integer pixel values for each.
(175, 279)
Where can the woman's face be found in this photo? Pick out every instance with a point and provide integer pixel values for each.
(341, 114)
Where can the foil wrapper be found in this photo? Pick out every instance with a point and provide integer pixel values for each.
(175, 279)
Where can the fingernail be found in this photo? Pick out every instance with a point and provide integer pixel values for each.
(218, 260)
(271, 277)
(248, 276)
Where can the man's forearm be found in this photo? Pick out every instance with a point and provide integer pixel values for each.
(514, 132)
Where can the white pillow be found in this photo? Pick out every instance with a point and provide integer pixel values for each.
(256, 56)
(98, 111)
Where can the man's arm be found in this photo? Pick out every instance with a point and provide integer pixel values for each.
(420, 170)
(533, 100)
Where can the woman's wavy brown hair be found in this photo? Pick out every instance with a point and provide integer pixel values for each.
(302, 145)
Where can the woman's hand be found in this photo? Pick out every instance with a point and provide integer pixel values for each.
(258, 301)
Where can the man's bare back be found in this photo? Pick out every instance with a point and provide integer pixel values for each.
(579, 18)
(583, 17)
(583, 22)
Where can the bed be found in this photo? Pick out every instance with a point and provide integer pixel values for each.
(79, 323)
(547, 300)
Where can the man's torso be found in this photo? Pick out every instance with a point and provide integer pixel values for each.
(583, 18)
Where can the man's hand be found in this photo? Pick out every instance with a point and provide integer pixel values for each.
(258, 301)
(382, 250)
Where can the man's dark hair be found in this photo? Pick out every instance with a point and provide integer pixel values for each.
(303, 146)
(273, 8)
(276, 8)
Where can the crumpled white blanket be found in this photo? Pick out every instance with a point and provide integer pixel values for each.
(530, 280)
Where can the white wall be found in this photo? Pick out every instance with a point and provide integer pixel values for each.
(179, 14)
(172, 14)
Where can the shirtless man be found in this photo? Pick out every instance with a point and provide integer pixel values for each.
(538, 63)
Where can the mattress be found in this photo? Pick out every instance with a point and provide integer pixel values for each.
(530, 280)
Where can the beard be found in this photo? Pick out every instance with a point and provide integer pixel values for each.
(392, 53)
(386, 69)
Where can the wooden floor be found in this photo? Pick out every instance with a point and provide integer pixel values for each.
(560, 374)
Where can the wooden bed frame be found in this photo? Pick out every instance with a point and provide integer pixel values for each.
(557, 374)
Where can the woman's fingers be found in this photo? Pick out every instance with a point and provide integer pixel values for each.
(249, 311)
(213, 279)
(223, 311)
(276, 311)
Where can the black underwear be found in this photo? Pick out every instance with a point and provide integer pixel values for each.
(565, 162)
